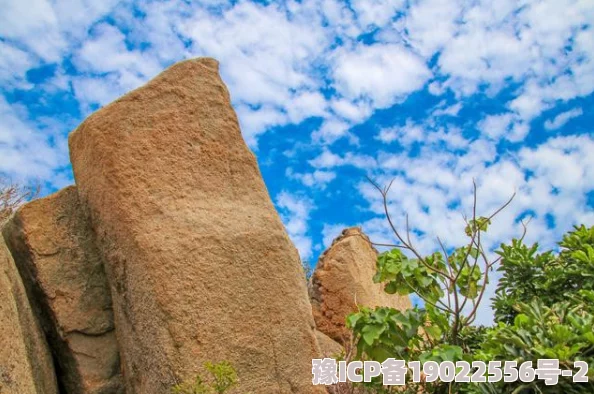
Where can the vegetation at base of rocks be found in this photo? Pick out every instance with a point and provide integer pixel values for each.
(12, 196)
(544, 309)
(222, 378)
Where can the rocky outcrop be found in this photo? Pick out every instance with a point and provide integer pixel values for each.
(52, 242)
(199, 264)
(25, 361)
(343, 279)
(328, 346)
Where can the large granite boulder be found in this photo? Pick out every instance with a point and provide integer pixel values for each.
(343, 280)
(26, 365)
(53, 246)
(199, 264)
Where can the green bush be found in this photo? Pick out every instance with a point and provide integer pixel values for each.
(546, 276)
(544, 308)
(222, 378)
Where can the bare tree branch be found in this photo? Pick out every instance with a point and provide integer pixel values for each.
(13, 196)
(384, 193)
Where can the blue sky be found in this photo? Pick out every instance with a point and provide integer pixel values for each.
(431, 93)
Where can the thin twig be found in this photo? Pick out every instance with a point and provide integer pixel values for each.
(445, 307)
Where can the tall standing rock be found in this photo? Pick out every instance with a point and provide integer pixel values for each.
(26, 365)
(52, 243)
(343, 279)
(200, 266)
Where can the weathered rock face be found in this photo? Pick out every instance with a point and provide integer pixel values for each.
(198, 261)
(25, 361)
(328, 346)
(343, 279)
(53, 245)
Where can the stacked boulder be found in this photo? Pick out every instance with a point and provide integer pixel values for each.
(167, 254)
(52, 240)
(343, 281)
(25, 359)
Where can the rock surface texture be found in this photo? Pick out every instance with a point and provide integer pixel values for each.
(25, 361)
(199, 264)
(328, 346)
(343, 279)
(52, 243)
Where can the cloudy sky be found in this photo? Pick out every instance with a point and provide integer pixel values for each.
(430, 93)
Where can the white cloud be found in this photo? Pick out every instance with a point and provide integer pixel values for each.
(27, 154)
(566, 162)
(477, 55)
(431, 24)
(383, 73)
(530, 103)
(306, 104)
(318, 178)
(498, 42)
(327, 159)
(496, 126)
(295, 213)
(109, 39)
(331, 130)
(263, 54)
(355, 111)
(35, 24)
(564, 117)
(504, 126)
(405, 135)
(452, 110)
(14, 63)
(427, 134)
(48, 29)
(376, 13)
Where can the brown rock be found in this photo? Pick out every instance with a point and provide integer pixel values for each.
(53, 245)
(328, 346)
(25, 361)
(200, 266)
(343, 279)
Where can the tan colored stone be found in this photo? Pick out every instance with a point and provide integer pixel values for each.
(25, 360)
(200, 265)
(343, 279)
(53, 246)
(328, 346)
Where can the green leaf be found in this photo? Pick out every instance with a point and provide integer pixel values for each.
(371, 333)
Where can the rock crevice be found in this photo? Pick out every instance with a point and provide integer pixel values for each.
(26, 364)
(53, 245)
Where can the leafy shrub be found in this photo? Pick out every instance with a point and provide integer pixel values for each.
(222, 378)
(546, 276)
(544, 308)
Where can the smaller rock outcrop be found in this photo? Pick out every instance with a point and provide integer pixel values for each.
(52, 244)
(25, 360)
(328, 346)
(343, 279)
